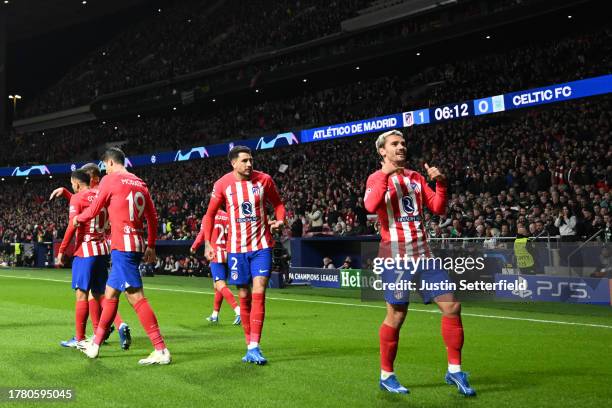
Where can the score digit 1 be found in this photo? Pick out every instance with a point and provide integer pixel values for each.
(421, 116)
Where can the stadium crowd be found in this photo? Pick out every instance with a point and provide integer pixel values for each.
(189, 36)
(546, 169)
(576, 57)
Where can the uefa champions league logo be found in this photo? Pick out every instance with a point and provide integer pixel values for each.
(289, 137)
(195, 153)
(42, 170)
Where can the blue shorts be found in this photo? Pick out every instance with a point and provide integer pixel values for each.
(430, 277)
(246, 266)
(90, 273)
(124, 271)
(218, 271)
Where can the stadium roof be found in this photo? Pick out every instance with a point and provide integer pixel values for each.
(32, 18)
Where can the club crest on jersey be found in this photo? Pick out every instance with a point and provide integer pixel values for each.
(414, 186)
(234, 276)
(126, 229)
(408, 204)
(398, 294)
(256, 190)
(247, 208)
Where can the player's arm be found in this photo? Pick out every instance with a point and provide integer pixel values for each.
(200, 238)
(61, 191)
(151, 216)
(216, 200)
(276, 202)
(70, 230)
(96, 206)
(435, 200)
(376, 188)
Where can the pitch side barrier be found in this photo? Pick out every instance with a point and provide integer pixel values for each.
(508, 269)
(453, 111)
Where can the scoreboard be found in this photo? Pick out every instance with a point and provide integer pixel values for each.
(515, 100)
(453, 111)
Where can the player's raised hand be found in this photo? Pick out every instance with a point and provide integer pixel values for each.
(434, 174)
(60, 259)
(75, 222)
(275, 225)
(149, 255)
(192, 251)
(209, 252)
(56, 193)
(390, 168)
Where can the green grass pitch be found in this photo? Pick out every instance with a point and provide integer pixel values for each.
(322, 347)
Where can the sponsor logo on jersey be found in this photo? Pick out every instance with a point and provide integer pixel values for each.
(247, 208)
(408, 204)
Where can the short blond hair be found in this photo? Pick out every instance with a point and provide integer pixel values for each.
(382, 138)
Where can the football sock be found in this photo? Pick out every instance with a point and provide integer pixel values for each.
(452, 333)
(389, 339)
(229, 297)
(109, 310)
(149, 323)
(454, 368)
(385, 374)
(95, 310)
(217, 302)
(215, 313)
(245, 316)
(252, 345)
(81, 312)
(118, 320)
(258, 314)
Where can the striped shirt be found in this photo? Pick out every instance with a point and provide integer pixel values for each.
(245, 202)
(398, 201)
(218, 240)
(127, 199)
(90, 237)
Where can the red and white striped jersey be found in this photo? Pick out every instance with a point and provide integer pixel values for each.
(127, 199)
(245, 202)
(218, 240)
(398, 201)
(90, 236)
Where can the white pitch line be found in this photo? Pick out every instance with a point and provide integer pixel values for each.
(323, 302)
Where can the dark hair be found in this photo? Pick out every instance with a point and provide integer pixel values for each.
(81, 176)
(236, 150)
(115, 154)
(92, 169)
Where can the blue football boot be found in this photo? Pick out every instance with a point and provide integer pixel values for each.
(392, 385)
(125, 336)
(460, 379)
(254, 356)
